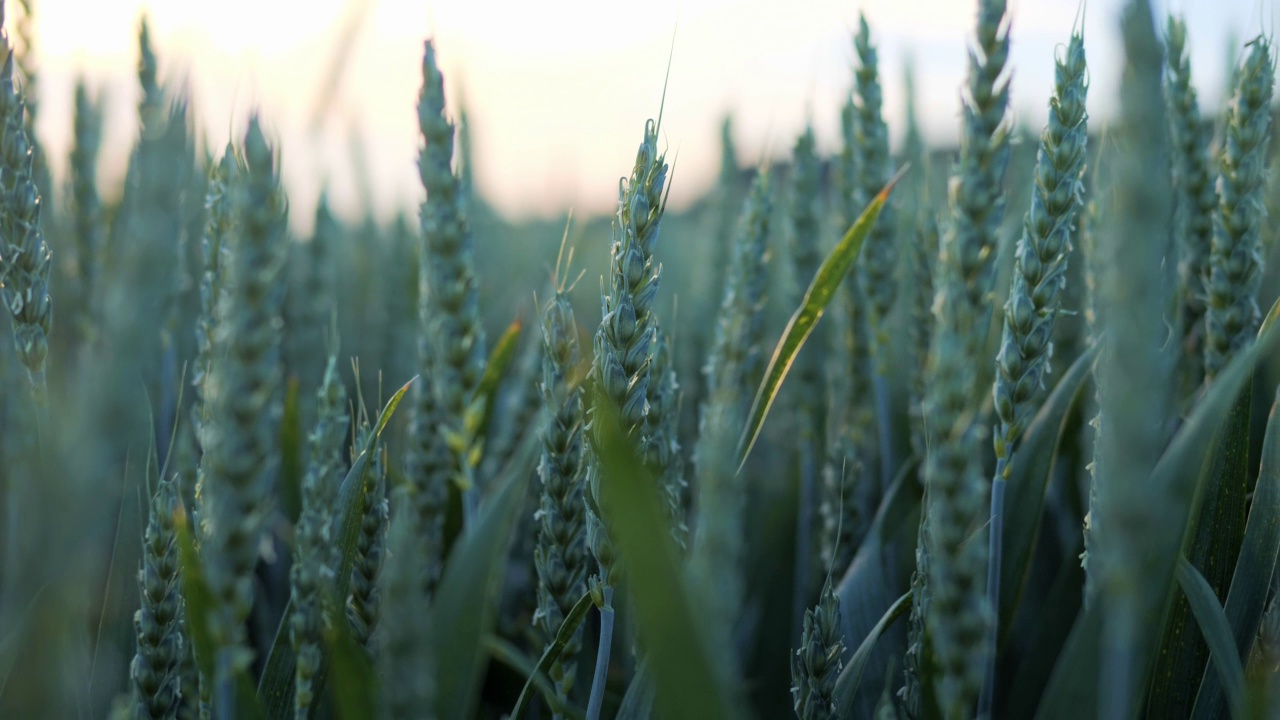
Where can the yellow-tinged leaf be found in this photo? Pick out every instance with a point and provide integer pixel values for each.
(816, 298)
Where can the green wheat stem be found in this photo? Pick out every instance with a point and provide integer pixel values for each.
(1134, 372)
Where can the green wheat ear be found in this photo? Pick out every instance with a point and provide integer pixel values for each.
(560, 556)
(364, 601)
(1235, 259)
(879, 260)
(1134, 369)
(25, 259)
(959, 616)
(241, 457)
(1196, 201)
(623, 346)
(817, 664)
(87, 209)
(157, 623)
(1041, 259)
(312, 574)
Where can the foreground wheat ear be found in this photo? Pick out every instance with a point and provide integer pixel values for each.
(1134, 370)
(623, 349)
(242, 457)
(25, 259)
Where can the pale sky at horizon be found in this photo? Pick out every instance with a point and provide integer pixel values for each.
(558, 91)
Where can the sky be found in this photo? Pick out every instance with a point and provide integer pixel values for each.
(558, 91)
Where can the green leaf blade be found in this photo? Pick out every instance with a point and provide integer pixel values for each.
(1028, 482)
(1217, 633)
(276, 686)
(816, 298)
(1255, 566)
(851, 677)
(465, 605)
(687, 683)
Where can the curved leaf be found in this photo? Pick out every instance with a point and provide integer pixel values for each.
(816, 298)
(466, 599)
(567, 628)
(874, 579)
(1073, 690)
(686, 680)
(1214, 536)
(1032, 467)
(1217, 633)
(354, 687)
(275, 687)
(637, 702)
(851, 677)
(1247, 597)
